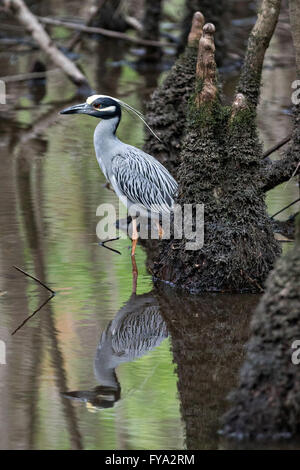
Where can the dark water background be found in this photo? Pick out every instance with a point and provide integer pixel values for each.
(155, 391)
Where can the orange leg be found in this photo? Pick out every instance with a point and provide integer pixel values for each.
(134, 274)
(160, 230)
(134, 237)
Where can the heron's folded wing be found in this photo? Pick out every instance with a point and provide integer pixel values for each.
(139, 182)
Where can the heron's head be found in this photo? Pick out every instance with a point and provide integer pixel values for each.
(105, 107)
(99, 106)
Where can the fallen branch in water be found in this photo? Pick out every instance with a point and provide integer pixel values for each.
(277, 146)
(41, 306)
(286, 207)
(105, 32)
(21, 12)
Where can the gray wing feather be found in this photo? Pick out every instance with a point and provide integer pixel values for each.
(143, 180)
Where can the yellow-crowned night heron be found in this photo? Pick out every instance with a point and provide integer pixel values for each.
(138, 179)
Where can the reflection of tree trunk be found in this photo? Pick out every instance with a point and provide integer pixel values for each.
(207, 335)
(110, 16)
(108, 75)
(31, 206)
(16, 377)
(151, 24)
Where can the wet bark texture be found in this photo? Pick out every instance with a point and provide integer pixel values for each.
(208, 334)
(266, 403)
(214, 12)
(166, 111)
(220, 163)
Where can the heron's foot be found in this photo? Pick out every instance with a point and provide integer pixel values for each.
(108, 186)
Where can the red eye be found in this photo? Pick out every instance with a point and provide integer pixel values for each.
(97, 106)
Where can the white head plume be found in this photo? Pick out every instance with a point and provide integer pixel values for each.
(127, 107)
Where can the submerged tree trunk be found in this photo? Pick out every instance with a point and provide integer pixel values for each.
(166, 111)
(220, 168)
(266, 403)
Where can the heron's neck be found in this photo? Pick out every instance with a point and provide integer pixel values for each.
(106, 128)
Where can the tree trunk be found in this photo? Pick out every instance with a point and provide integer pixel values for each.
(220, 168)
(266, 403)
(166, 111)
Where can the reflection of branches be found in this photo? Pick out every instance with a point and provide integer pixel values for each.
(33, 229)
(30, 316)
(41, 306)
(35, 279)
(108, 247)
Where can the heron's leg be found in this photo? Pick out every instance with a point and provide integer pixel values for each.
(134, 236)
(134, 274)
(160, 229)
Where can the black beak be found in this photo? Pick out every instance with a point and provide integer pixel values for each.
(83, 108)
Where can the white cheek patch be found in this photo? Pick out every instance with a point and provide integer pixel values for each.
(110, 109)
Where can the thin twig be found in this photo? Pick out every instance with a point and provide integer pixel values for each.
(30, 316)
(105, 32)
(35, 279)
(286, 207)
(294, 174)
(277, 146)
(109, 240)
(27, 76)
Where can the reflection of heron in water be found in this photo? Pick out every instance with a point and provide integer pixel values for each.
(136, 329)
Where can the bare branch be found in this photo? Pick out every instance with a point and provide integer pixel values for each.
(258, 43)
(19, 9)
(105, 32)
(277, 146)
